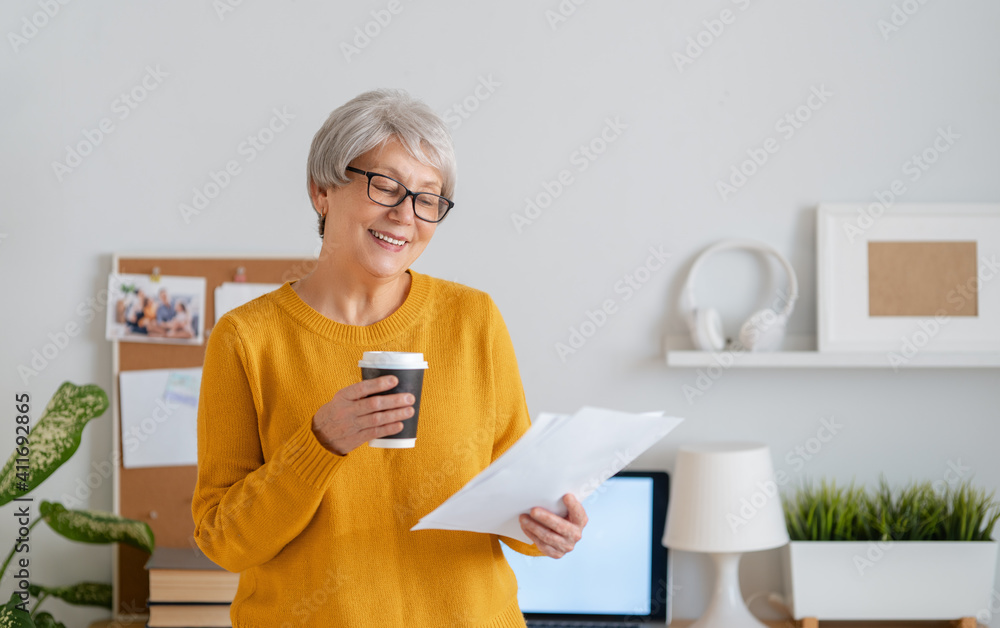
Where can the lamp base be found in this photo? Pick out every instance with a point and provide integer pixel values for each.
(727, 608)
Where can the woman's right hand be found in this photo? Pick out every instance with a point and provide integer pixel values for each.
(357, 415)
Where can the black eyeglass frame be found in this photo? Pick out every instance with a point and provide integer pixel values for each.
(408, 193)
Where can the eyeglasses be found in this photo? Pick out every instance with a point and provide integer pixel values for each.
(388, 192)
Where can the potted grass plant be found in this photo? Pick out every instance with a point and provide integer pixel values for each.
(40, 450)
(913, 553)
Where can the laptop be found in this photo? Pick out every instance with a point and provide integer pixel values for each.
(618, 573)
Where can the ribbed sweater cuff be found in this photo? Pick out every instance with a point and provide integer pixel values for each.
(309, 459)
(511, 617)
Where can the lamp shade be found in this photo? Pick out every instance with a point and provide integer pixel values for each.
(724, 498)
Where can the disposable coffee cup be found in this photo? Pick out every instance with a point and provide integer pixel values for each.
(409, 371)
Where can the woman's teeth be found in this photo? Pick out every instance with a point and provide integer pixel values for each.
(386, 238)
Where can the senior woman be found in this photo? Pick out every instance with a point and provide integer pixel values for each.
(289, 494)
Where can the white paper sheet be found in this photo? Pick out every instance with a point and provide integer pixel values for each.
(231, 294)
(559, 454)
(159, 417)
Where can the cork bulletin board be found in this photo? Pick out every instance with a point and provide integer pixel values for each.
(161, 496)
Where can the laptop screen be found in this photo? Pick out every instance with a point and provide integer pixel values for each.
(617, 571)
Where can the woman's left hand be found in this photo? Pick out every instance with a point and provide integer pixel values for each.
(552, 534)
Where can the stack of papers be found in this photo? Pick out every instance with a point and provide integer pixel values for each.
(559, 454)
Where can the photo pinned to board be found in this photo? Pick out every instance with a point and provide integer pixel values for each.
(156, 308)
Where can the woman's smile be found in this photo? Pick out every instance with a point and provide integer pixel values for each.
(387, 240)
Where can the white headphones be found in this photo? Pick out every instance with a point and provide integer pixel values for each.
(763, 331)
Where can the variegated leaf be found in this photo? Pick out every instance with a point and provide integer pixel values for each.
(89, 526)
(54, 438)
(81, 593)
(13, 617)
(46, 620)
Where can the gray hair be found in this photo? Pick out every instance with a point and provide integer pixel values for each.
(370, 120)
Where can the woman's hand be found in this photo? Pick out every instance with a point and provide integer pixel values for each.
(552, 534)
(354, 416)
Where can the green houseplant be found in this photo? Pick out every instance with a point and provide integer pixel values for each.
(38, 452)
(916, 512)
(913, 552)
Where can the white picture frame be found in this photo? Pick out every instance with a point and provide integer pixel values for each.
(843, 233)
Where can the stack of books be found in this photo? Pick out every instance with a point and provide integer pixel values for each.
(188, 589)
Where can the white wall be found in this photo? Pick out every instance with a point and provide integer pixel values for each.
(553, 89)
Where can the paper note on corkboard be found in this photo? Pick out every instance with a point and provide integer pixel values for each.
(922, 279)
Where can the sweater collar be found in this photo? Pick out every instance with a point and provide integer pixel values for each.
(376, 333)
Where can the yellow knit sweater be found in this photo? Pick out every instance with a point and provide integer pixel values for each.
(324, 540)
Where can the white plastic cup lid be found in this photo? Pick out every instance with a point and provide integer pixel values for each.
(392, 360)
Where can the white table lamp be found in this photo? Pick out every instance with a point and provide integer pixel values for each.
(724, 501)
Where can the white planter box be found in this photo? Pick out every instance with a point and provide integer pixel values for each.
(889, 580)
